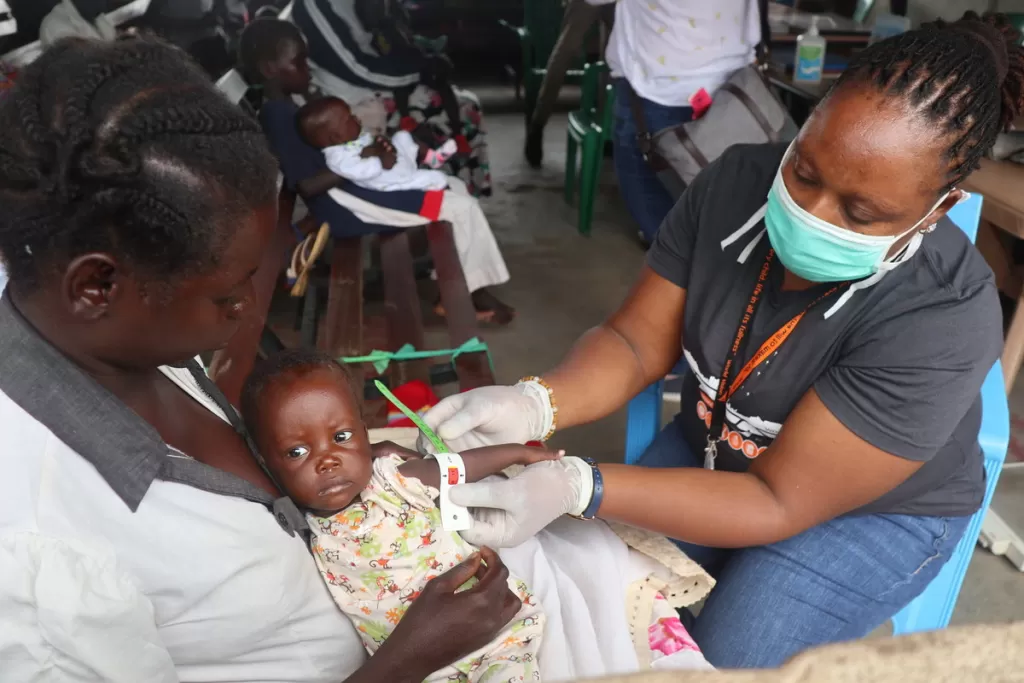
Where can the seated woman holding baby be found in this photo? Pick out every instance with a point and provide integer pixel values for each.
(148, 534)
(366, 53)
(273, 56)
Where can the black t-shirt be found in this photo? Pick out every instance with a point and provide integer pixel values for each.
(900, 363)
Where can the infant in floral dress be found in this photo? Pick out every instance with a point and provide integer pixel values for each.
(377, 530)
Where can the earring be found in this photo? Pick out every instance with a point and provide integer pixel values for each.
(930, 228)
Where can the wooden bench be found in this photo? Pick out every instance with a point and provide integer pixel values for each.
(340, 330)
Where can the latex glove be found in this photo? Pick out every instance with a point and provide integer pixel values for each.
(489, 416)
(507, 512)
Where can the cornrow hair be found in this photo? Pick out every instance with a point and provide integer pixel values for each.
(126, 148)
(294, 362)
(262, 41)
(967, 77)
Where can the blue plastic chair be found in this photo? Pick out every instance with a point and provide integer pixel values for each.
(933, 608)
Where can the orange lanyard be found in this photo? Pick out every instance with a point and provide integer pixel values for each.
(769, 347)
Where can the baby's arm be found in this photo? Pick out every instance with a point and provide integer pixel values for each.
(480, 462)
(351, 165)
(406, 146)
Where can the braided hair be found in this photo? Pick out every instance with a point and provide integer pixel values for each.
(123, 148)
(965, 77)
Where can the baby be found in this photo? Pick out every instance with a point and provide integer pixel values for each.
(328, 124)
(377, 530)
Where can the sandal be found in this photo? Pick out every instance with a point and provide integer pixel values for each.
(303, 258)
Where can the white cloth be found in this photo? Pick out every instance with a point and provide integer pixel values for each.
(346, 161)
(481, 259)
(670, 49)
(579, 571)
(479, 255)
(66, 21)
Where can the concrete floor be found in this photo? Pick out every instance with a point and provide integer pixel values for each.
(563, 283)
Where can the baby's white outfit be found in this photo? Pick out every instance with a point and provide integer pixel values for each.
(377, 554)
(345, 160)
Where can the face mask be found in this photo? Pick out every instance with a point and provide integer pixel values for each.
(818, 251)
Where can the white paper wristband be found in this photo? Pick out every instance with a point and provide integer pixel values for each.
(587, 484)
(453, 472)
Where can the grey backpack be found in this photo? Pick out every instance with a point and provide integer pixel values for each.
(744, 110)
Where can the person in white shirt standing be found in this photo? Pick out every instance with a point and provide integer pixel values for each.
(668, 52)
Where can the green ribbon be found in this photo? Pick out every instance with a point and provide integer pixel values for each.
(416, 419)
(382, 359)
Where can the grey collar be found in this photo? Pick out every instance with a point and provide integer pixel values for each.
(125, 449)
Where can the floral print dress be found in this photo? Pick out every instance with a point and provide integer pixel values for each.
(377, 555)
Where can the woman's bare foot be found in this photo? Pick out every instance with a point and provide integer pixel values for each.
(499, 312)
(489, 308)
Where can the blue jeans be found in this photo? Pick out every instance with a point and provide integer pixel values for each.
(646, 198)
(837, 581)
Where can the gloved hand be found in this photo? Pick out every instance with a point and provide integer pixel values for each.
(488, 416)
(507, 512)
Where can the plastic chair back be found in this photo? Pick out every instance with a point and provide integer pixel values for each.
(933, 608)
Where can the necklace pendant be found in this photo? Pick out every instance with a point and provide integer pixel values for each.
(710, 453)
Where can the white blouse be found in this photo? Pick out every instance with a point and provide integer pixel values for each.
(193, 586)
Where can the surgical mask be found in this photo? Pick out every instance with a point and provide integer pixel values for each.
(818, 251)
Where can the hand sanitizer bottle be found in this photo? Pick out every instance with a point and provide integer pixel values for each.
(810, 55)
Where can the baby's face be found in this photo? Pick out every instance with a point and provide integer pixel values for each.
(344, 125)
(314, 441)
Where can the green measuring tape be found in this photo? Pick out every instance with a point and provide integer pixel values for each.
(416, 419)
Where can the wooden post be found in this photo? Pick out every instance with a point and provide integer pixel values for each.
(473, 368)
(402, 306)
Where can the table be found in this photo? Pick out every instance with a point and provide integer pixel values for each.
(786, 23)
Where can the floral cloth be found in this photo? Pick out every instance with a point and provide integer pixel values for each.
(377, 555)
(425, 107)
(666, 634)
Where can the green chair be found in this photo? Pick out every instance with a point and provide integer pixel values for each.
(589, 127)
(542, 24)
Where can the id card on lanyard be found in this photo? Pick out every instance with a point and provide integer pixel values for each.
(767, 349)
